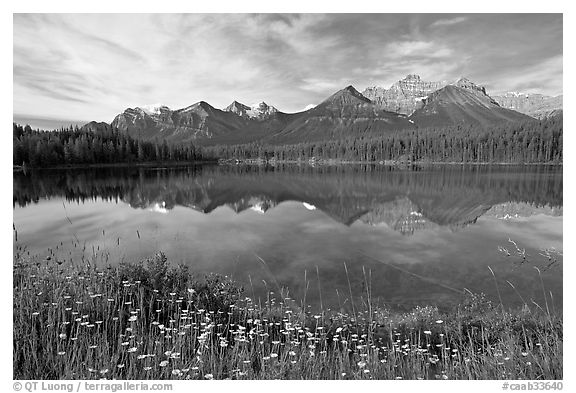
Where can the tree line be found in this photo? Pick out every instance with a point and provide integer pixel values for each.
(537, 141)
(76, 146)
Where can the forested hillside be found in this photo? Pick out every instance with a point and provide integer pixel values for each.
(537, 141)
(527, 142)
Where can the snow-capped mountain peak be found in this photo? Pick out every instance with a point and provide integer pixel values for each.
(153, 109)
(259, 110)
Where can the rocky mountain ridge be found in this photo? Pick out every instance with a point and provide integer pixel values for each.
(538, 106)
(409, 103)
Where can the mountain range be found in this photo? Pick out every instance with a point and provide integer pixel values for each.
(407, 104)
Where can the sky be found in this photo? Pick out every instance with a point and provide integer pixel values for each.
(93, 66)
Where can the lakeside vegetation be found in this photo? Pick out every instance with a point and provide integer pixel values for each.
(153, 320)
(535, 141)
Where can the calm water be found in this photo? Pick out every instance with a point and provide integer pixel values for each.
(421, 235)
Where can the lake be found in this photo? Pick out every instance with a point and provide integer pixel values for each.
(422, 235)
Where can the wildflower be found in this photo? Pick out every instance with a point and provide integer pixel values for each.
(133, 349)
(104, 371)
(61, 353)
(147, 368)
(427, 332)
(439, 321)
(273, 355)
(209, 376)
(366, 371)
(62, 336)
(93, 346)
(361, 364)
(163, 363)
(120, 365)
(524, 354)
(133, 318)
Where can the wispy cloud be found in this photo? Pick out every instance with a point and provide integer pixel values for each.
(425, 49)
(449, 21)
(98, 64)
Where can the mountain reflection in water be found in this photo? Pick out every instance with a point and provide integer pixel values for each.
(405, 200)
(321, 217)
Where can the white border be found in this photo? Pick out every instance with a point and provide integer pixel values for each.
(413, 6)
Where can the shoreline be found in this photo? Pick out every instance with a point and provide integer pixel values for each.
(260, 162)
(149, 164)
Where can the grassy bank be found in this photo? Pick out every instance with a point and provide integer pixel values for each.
(152, 320)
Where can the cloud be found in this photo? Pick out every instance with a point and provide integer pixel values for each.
(96, 65)
(531, 79)
(427, 49)
(449, 22)
(323, 85)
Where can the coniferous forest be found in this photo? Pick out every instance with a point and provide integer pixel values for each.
(74, 146)
(538, 141)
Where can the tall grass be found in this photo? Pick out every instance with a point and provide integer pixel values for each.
(151, 320)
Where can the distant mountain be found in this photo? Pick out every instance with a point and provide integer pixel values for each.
(261, 111)
(409, 103)
(535, 105)
(404, 96)
(201, 123)
(463, 103)
(198, 121)
(345, 113)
